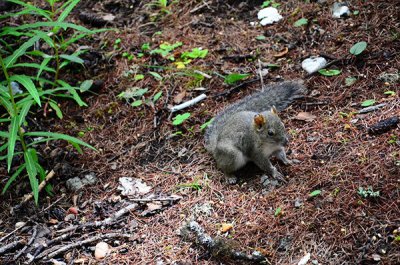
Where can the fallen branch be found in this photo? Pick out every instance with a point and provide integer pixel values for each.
(51, 254)
(33, 237)
(108, 221)
(10, 246)
(218, 247)
(371, 108)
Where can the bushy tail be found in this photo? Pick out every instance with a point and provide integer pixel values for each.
(279, 95)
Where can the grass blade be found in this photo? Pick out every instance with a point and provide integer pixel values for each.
(12, 138)
(36, 66)
(60, 136)
(30, 162)
(13, 177)
(32, 8)
(28, 84)
(24, 111)
(67, 10)
(10, 60)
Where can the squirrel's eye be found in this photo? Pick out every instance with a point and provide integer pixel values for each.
(271, 133)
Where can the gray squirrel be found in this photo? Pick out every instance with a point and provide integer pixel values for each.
(251, 130)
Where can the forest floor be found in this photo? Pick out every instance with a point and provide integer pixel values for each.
(338, 155)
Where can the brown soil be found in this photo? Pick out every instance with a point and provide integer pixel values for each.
(337, 153)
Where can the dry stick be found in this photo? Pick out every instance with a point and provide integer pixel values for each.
(12, 232)
(10, 246)
(157, 199)
(64, 249)
(107, 221)
(205, 4)
(41, 186)
(46, 244)
(188, 103)
(33, 237)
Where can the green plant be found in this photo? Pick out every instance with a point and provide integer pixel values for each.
(330, 72)
(368, 102)
(180, 118)
(358, 48)
(315, 193)
(393, 139)
(368, 193)
(17, 55)
(233, 78)
(195, 185)
(301, 22)
(205, 125)
(278, 212)
(165, 50)
(270, 3)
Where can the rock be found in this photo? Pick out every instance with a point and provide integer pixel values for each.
(130, 186)
(69, 217)
(101, 251)
(313, 64)
(15, 88)
(19, 225)
(268, 15)
(340, 10)
(304, 259)
(298, 203)
(74, 184)
(89, 179)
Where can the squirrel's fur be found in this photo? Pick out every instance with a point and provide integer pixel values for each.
(251, 130)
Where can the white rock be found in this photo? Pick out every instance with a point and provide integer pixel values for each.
(313, 64)
(339, 10)
(268, 15)
(132, 186)
(101, 251)
(19, 225)
(304, 259)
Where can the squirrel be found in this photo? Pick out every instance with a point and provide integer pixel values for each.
(251, 130)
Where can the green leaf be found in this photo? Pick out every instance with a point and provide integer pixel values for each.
(139, 77)
(315, 193)
(24, 111)
(205, 125)
(10, 60)
(156, 76)
(28, 84)
(72, 58)
(261, 37)
(6, 104)
(195, 53)
(358, 48)
(350, 81)
(64, 25)
(278, 211)
(301, 22)
(157, 96)
(390, 93)
(356, 12)
(13, 134)
(145, 46)
(30, 162)
(368, 102)
(233, 78)
(34, 65)
(331, 72)
(86, 85)
(60, 136)
(13, 178)
(67, 10)
(57, 109)
(43, 66)
(137, 103)
(32, 8)
(180, 118)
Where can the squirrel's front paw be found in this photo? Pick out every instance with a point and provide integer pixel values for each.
(277, 175)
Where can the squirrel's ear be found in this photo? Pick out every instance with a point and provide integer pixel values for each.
(273, 110)
(259, 121)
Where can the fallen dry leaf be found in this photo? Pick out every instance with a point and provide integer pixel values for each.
(178, 98)
(305, 116)
(225, 227)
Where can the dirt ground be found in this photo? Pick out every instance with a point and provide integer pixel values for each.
(337, 154)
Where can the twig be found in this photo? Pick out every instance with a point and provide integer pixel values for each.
(49, 176)
(203, 74)
(10, 246)
(12, 232)
(108, 221)
(33, 237)
(197, 8)
(177, 198)
(188, 103)
(64, 249)
(371, 108)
